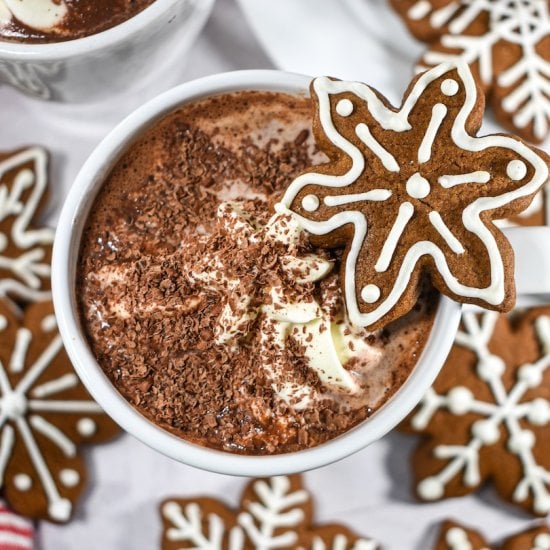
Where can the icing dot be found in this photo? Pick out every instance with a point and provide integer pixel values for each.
(521, 441)
(13, 405)
(530, 375)
(370, 294)
(418, 187)
(60, 510)
(460, 400)
(48, 323)
(310, 203)
(487, 431)
(3, 323)
(69, 477)
(516, 170)
(449, 87)
(542, 541)
(86, 427)
(344, 107)
(430, 488)
(458, 539)
(22, 482)
(491, 367)
(539, 412)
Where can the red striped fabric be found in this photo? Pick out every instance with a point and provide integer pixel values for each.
(16, 532)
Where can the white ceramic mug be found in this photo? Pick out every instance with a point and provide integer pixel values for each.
(97, 66)
(530, 244)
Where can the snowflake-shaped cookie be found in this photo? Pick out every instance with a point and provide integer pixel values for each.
(454, 536)
(414, 190)
(488, 413)
(274, 513)
(506, 43)
(25, 252)
(45, 414)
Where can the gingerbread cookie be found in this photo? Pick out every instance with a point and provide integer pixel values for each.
(454, 536)
(505, 42)
(45, 414)
(488, 414)
(537, 214)
(274, 513)
(414, 191)
(25, 252)
(16, 532)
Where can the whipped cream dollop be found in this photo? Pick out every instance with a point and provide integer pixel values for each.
(286, 307)
(41, 15)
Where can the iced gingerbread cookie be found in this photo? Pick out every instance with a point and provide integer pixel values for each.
(505, 42)
(274, 513)
(25, 251)
(454, 536)
(45, 414)
(487, 417)
(413, 191)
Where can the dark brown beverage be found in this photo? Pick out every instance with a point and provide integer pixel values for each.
(213, 315)
(60, 20)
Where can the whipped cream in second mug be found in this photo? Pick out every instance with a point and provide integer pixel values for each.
(214, 316)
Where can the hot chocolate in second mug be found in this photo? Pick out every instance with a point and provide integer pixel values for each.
(532, 281)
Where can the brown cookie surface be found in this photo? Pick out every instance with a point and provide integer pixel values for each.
(507, 45)
(45, 414)
(488, 414)
(274, 513)
(413, 191)
(25, 251)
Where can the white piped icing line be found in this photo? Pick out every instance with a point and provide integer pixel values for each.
(457, 539)
(41, 15)
(27, 270)
(397, 121)
(272, 518)
(24, 409)
(519, 23)
(508, 415)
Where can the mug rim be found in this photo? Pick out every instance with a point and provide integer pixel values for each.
(54, 51)
(65, 257)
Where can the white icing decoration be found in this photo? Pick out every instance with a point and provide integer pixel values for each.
(406, 212)
(22, 482)
(449, 87)
(542, 542)
(457, 539)
(521, 23)
(344, 107)
(439, 112)
(310, 203)
(506, 416)
(69, 477)
(397, 121)
(458, 179)
(418, 187)
(22, 340)
(28, 268)
(419, 9)
(86, 427)
(437, 221)
(272, 519)
(49, 323)
(42, 15)
(370, 294)
(373, 195)
(516, 170)
(16, 404)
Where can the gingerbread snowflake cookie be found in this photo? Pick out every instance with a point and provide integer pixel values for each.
(45, 414)
(454, 536)
(488, 414)
(274, 513)
(506, 43)
(25, 251)
(413, 191)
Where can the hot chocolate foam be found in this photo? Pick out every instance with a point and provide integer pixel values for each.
(215, 316)
(57, 20)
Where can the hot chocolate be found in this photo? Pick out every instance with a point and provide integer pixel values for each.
(208, 308)
(59, 20)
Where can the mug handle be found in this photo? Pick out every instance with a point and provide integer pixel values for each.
(532, 265)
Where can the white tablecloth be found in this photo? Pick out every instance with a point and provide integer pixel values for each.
(369, 491)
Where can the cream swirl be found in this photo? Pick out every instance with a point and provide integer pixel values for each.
(41, 15)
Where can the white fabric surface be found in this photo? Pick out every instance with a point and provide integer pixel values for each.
(369, 491)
